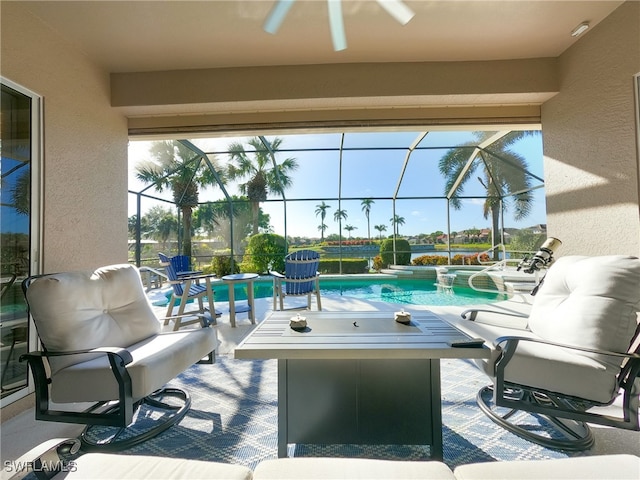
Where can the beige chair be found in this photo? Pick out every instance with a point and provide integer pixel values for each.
(102, 344)
(576, 351)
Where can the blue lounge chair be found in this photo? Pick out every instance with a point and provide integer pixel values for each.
(186, 288)
(300, 278)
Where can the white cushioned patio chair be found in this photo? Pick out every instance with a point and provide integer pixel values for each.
(577, 351)
(301, 278)
(102, 344)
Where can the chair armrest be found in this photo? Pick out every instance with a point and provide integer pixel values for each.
(189, 273)
(277, 275)
(512, 341)
(204, 322)
(40, 458)
(474, 312)
(111, 352)
(195, 276)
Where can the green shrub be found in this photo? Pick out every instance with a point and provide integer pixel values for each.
(349, 265)
(403, 252)
(264, 252)
(430, 260)
(221, 265)
(469, 259)
(457, 259)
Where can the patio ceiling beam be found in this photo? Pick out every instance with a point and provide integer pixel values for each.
(497, 136)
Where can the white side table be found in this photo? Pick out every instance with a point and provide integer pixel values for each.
(231, 281)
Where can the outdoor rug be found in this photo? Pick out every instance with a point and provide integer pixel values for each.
(234, 419)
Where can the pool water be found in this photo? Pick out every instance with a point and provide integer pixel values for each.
(399, 290)
(407, 291)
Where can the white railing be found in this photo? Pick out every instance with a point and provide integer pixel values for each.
(499, 265)
(149, 282)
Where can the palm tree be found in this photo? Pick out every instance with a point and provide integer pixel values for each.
(161, 223)
(380, 228)
(262, 177)
(21, 192)
(216, 216)
(504, 177)
(322, 228)
(176, 167)
(350, 228)
(338, 216)
(322, 211)
(396, 221)
(366, 208)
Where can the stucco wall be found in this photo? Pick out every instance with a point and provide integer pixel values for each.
(85, 144)
(591, 159)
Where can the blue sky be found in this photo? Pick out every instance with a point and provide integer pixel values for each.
(367, 174)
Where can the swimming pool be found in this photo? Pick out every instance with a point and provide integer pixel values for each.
(407, 291)
(392, 290)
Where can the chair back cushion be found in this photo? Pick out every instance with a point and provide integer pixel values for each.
(589, 302)
(300, 271)
(85, 310)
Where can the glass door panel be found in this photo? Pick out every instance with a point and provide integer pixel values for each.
(17, 155)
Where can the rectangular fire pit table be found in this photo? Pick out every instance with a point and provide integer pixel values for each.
(358, 377)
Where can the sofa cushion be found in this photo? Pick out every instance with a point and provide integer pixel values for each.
(602, 467)
(84, 310)
(349, 468)
(590, 302)
(140, 467)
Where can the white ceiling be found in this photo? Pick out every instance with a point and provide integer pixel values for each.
(129, 36)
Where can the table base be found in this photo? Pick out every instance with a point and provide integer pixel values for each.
(372, 402)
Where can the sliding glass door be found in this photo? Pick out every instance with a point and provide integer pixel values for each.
(19, 227)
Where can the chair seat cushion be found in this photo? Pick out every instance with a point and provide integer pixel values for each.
(597, 467)
(349, 468)
(546, 367)
(140, 467)
(556, 369)
(156, 360)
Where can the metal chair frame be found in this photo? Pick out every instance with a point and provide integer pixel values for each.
(568, 414)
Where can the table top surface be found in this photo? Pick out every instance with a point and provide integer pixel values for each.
(239, 276)
(355, 335)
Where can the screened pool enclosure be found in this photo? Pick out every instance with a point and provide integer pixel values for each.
(442, 192)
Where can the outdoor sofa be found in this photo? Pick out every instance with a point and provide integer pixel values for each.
(118, 466)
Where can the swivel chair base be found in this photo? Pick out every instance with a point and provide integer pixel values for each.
(171, 403)
(572, 435)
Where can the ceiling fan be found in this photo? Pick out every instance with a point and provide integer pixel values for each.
(396, 8)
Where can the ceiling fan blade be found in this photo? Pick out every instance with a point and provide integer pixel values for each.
(398, 10)
(276, 16)
(336, 24)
